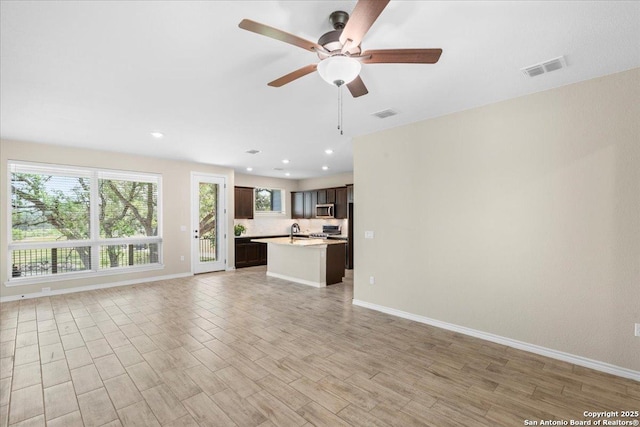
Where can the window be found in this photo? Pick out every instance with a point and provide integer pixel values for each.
(269, 200)
(68, 220)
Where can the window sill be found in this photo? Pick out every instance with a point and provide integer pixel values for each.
(268, 214)
(23, 281)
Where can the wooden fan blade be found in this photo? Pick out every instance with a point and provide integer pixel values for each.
(274, 33)
(362, 18)
(293, 75)
(357, 87)
(402, 56)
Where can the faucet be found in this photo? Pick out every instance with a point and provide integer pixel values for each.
(295, 228)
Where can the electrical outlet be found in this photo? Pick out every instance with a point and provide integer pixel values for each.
(372, 280)
(181, 257)
(368, 234)
(638, 329)
(46, 289)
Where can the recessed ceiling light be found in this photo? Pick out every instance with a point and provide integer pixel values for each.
(157, 134)
(249, 169)
(287, 174)
(285, 161)
(324, 168)
(328, 151)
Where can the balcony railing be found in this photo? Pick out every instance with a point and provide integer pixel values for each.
(43, 262)
(207, 249)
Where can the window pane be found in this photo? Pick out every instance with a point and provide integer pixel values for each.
(127, 208)
(112, 256)
(43, 262)
(208, 214)
(269, 200)
(49, 207)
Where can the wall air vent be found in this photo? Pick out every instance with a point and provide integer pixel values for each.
(385, 113)
(252, 151)
(545, 67)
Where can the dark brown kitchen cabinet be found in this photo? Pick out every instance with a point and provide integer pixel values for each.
(310, 201)
(326, 195)
(297, 205)
(340, 202)
(243, 202)
(322, 197)
(249, 254)
(331, 195)
(303, 204)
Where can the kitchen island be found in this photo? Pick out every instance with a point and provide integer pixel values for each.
(313, 262)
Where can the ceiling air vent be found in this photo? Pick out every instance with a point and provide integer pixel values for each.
(385, 113)
(252, 151)
(545, 67)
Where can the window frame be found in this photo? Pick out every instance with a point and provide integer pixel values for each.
(282, 212)
(95, 242)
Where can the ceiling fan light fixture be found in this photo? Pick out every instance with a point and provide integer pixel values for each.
(339, 69)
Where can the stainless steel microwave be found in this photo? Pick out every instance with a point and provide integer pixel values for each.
(325, 210)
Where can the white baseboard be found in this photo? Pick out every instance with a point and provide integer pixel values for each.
(297, 280)
(93, 287)
(532, 348)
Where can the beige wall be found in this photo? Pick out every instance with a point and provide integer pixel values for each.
(176, 181)
(520, 219)
(337, 180)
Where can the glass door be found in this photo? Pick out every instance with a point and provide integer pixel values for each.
(208, 223)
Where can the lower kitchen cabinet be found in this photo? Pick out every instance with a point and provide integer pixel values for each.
(249, 254)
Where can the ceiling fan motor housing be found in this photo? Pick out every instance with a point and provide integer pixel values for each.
(338, 19)
(331, 40)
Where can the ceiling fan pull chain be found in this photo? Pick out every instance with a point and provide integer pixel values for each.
(340, 126)
(339, 108)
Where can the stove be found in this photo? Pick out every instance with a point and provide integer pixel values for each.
(327, 230)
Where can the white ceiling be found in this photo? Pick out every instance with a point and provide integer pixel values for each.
(103, 74)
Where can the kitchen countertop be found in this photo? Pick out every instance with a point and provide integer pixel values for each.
(268, 236)
(304, 242)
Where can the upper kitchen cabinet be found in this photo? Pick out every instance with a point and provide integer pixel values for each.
(297, 204)
(326, 195)
(322, 197)
(310, 202)
(243, 202)
(303, 204)
(341, 202)
(331, 195)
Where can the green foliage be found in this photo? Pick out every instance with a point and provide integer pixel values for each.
(208, 209)
(264, 198)
(52, 207)
(46, 207)
(238, 229)
(127, 208)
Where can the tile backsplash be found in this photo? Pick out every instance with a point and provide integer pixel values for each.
(264, 226)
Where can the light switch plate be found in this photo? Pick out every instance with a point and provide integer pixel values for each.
(368, 234)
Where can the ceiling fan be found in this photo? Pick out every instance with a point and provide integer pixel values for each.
(340, 50)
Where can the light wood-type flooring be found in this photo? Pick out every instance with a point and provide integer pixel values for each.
(237, 348)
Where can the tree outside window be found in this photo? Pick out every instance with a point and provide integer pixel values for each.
(52, 220)
(269, 200)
